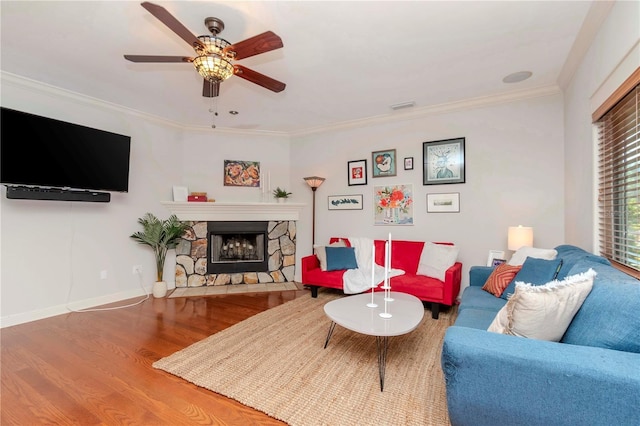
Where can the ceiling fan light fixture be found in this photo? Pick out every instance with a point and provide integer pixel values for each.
(213, 67)
(213, 46)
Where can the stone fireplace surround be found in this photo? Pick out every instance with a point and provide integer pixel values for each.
(191, 252)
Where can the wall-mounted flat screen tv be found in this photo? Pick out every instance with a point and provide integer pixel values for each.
(43, 152)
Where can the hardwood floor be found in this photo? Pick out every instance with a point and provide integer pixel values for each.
(94, 368)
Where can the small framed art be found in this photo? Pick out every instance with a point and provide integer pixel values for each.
(180, 193)
(357, 172)
(497, 262)
(493, 256)
(443, 203)
(384, 163)
(345, 202)
(408, 163)
(443, 161)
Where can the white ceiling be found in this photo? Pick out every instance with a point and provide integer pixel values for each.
(341, 61)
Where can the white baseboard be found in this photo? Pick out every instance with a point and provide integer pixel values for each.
(25, 317)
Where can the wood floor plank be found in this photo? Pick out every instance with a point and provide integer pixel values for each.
(96, 367)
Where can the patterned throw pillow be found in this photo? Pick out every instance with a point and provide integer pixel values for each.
(500, 278)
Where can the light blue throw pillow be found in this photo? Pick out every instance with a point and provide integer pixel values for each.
(339, 258)
(535, 272)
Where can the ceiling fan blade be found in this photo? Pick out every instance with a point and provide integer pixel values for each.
(255, 45)
(174, 25)
(153, 58)
(259, 79)
(209, 89)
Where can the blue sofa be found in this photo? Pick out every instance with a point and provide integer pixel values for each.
(591, 377)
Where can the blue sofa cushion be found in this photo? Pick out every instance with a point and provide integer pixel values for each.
(475, 297)
(475, 318)
(535, 272)
(570, 255)
(609, 317)
(339, 258)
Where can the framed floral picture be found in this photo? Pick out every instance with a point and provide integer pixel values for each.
(443, 161)
(242, 173)
(357, 172)
(393, 204)
(384, 163)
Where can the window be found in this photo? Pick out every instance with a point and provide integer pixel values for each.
(618, 131)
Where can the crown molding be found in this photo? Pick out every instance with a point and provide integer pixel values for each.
(401, 115)
(414, 113)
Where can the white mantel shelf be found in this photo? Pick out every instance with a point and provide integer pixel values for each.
(215, 211)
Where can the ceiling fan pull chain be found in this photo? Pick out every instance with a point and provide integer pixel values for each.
(214, 108)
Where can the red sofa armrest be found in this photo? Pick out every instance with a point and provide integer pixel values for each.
(309, 263)
(452, 279)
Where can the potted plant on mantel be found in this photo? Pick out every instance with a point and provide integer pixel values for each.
(161, 236)
(281, 194)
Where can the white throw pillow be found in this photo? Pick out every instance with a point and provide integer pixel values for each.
(321, 253)
(435, 259)
(522, 253)
(543, 312)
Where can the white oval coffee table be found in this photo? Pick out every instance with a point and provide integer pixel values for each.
(352, 313)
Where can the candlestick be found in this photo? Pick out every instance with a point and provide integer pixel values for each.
(372, 304)
(387, 287)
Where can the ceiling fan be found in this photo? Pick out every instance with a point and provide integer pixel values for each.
(214, 55)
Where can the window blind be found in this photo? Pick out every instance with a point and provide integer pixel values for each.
(618, 133)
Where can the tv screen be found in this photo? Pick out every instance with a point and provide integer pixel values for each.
(40, 151)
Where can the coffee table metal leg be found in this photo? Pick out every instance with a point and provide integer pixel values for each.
(331, 328)
(382, 342)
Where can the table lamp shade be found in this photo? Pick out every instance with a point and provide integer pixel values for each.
(519, 236)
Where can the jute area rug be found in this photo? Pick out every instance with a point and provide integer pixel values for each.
(275, 362)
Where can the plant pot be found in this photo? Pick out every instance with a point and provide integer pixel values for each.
(159, 289)
(281, 200)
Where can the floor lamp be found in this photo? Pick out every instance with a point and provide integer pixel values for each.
(314, 182)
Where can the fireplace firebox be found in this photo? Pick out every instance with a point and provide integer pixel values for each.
(236, 247)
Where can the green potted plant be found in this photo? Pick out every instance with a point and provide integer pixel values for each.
(161, 236)
(281, 194)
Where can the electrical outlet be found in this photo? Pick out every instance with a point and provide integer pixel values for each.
(103, 275)
(137, 269)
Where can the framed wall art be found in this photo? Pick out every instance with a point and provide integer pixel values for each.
(242, 173)
(393, 204)
(443, 203)
(345, 202)
(384, 163)
(357, 172)
(443, 161)
(408, 163)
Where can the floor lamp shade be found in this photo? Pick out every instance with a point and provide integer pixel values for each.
(519, 236)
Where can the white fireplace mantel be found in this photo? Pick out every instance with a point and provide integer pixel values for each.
(215, 211)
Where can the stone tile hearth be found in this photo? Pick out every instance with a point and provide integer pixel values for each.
(234, 289)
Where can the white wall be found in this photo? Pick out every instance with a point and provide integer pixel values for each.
(514, 175)
(612, 57)
(53, 252)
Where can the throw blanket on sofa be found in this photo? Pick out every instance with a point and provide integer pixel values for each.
(358, 280)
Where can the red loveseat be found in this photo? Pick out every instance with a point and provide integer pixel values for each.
(405, 256)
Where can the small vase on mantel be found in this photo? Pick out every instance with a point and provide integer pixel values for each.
(281, 199)
(159, 289)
